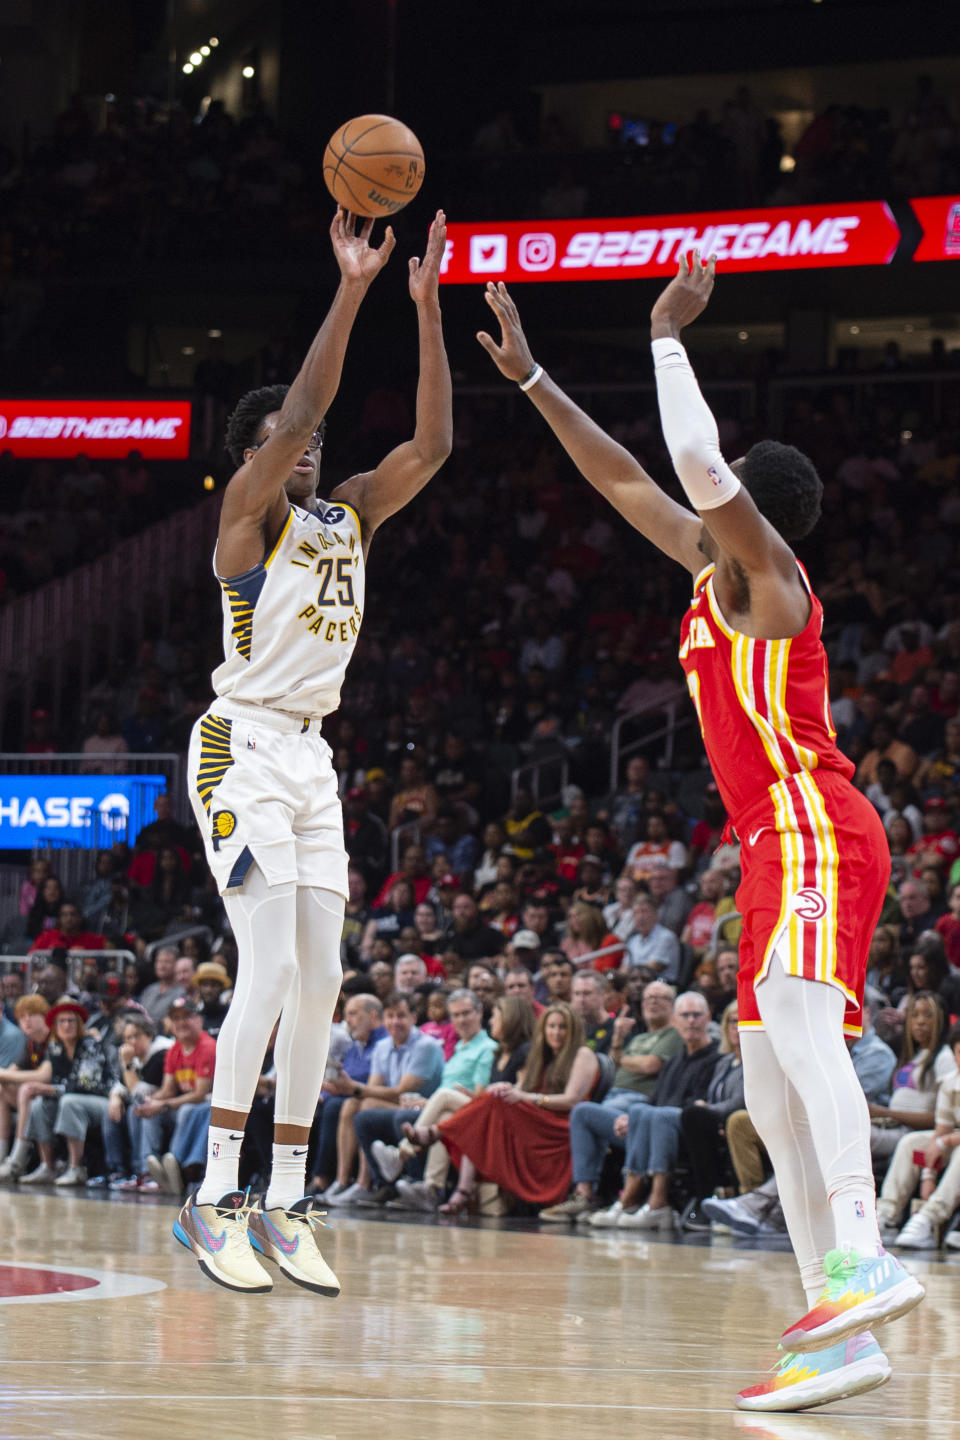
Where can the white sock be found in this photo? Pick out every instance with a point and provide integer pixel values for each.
(854, 1212)
(288, 1179)
(223, 1164)
(21, 1151)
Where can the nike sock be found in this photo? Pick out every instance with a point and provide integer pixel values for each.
(223, 1165)
(288, 1179)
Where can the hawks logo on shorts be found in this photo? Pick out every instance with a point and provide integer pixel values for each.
(224, 824)
(809, 904)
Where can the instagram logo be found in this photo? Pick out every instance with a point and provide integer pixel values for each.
(537, 251)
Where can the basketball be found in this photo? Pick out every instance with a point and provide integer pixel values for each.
(373, 165)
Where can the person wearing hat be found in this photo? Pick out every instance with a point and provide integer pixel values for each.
(176, 1118)
(211, 979)
(76, 1086)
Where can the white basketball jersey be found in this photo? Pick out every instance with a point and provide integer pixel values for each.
(290, 623)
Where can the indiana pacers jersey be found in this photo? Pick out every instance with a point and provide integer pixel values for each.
(763, 705)
(291, 622)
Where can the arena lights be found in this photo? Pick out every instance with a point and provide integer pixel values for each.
(248, 72)
(187, 68)
(204, 50)
(214, 42)
(196, 58)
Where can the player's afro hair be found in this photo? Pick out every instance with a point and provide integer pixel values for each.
(785, 487)
(244, 424)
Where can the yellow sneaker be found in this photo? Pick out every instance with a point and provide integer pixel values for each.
(289, 1239)
(218, 1236)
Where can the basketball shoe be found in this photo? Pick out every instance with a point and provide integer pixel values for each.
(218, 1236)
(289, 1239)
(859, 1291)
(801, 1381)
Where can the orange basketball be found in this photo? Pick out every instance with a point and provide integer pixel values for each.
(373, 165)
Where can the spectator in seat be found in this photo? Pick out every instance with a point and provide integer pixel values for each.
(157, 998)
(639, 1059)
(629, 804)
(702, 1123)
(930, 1158)
(164, 830)
(652, 945)
(212, 980)
(586, 932)
(76, 1086)
(45, 910)
(587, 1000)
(618, 915)
(404, 1063)
(656, 849)
(928, 969)
(721, 988)
(917, 914)
(141, 1057)
(409, 972)
(672, 901)
(177, 1117)
(518, 983)
(164, 898)
(652, 1132)
(380, 976)
(948, 927)
(336, 1151)
(52, 982)
(415, 797)
(438, 1023)
(18, 1069)
(11, 989)
(38, 872)
(69, 933)
(923, 1064)
(389, 919)
(518, 1136)
(104, 745)
(471, 939)
(557, 978)
(365, 836)
(697, 930)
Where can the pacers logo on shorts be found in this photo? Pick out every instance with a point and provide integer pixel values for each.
(809, 904)
(224, 824)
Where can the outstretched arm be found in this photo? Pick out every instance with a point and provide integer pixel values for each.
(380, 493)
(607, 466)
(255, 503)
(691, 433)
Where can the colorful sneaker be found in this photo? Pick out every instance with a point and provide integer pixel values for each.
(801, 1381)
(218, 1236)
(289, 1239)
(860, 1291)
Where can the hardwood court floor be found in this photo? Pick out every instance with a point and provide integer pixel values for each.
(443, 1330)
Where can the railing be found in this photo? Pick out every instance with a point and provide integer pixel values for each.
(37, 959)
(176, 936)
(559, 764)
(399, 837)
(860, 385)
(666, 732)
(80, 620)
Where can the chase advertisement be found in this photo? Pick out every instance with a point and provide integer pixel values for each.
(79, 811)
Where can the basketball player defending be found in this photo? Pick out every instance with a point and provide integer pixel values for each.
(815, 862)
(291, 570)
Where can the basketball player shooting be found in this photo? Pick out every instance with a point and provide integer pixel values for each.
(291, 570)
(815, 862)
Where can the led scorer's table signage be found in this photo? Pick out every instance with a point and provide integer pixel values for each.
(86, 811)
(103, 429)
(792, 237)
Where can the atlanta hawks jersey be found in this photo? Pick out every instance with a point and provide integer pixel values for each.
(290, 623)
(763, 706)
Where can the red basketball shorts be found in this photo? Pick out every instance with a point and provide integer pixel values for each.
(815, 866)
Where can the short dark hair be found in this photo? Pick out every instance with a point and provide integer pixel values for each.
(784, 486)
(244, 425)
(953, 1035)
(395, 999)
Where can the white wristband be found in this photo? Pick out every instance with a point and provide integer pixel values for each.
(690, 430)
(532, 378)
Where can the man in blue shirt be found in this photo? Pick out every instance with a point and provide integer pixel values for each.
(468, 1068)
(652, 944)
(404, 1062)
(336, 1141)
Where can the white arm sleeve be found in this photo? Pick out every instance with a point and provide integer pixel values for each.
(690, 430)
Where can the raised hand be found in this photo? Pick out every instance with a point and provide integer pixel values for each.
(685, 297)
(425, 273)
(357, 258)
(512, 356)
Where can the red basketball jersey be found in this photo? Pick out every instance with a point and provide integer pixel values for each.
(763, 706)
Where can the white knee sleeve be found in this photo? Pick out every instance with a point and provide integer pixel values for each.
(303, 1039)
(264, 921)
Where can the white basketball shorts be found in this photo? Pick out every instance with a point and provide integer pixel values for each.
(263, 789)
